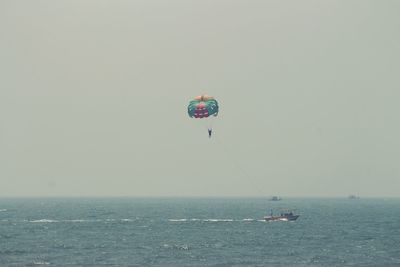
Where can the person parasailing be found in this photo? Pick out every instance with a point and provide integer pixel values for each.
(203, 107)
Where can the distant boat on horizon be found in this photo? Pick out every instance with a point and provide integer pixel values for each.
(275, 198)
(353, 197)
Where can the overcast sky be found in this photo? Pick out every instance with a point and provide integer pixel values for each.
(93, 98)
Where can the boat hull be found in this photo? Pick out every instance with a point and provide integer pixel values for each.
(284, 218)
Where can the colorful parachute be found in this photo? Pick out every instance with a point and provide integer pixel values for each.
(203, 106)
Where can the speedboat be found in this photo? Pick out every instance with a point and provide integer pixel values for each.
(284, 216)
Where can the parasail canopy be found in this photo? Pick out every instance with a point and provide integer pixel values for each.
(203, 106)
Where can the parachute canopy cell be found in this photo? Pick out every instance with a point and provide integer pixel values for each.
(203, 106)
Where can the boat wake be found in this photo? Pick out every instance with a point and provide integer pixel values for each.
(79, 220)
(212, 220)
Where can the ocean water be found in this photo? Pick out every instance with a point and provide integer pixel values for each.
(198, 232)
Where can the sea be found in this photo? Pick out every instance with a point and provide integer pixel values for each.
(215, 232)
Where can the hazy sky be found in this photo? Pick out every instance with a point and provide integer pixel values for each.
(93, 98)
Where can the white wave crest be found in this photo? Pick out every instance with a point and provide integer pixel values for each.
(43, 221)
(177, 220)
(126, 220)
(41, 263)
